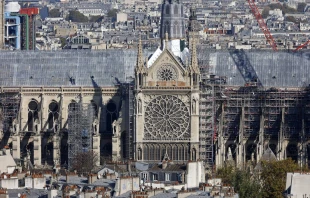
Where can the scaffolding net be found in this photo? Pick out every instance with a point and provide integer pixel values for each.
(80, 119)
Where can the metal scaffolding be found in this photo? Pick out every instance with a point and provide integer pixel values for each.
(9, 103)
(208, 122)
(80, 119)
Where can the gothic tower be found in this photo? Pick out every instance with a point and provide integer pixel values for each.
(167, 97)
(193, 27)
(172, 22)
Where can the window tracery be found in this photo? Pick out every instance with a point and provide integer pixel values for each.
(166, 73)
(33, 117)
(111, 115)
(53, 114)
(166, 118)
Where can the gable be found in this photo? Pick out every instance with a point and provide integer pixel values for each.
(166, 68)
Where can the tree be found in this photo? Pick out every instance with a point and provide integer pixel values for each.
(84, 162)
(291, 19)
(247, 185)
(287, 9)
(54, 13)
(63, 41)
(112, 13)
(76, 16)
(95, 18)
(301, 7)
(273, 176)
(265, 12)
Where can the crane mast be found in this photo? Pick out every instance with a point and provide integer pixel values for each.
(262, 25)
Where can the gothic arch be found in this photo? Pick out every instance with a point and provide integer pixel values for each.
(157, 152)
(140, 153)
(176, 25)
(146, 152)
(292, 151)
(33, 115)
(251, 151)
(167, 9)
(175, 152)
(53, 115)
(111, 115)
(94, 108)
(181, 153)
(176, 10)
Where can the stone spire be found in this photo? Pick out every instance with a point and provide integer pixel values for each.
(140, 59)
(194, 63)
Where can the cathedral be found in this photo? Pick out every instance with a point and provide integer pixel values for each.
(181, 101)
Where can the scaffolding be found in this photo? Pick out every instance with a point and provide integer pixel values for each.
(209, 112)
(131, 120)
(80, 120)
(10, 107)
(9, 103)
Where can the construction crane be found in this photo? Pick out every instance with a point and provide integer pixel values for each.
(302, 46)
(262, 25)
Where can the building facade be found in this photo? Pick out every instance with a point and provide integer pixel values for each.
(181, 102)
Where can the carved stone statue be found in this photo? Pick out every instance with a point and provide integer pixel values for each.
(139, 106)
(194, 106)
(56, 126)
(37, 125)
(95, 127)
(15, 126)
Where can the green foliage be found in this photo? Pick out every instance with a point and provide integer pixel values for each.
(63, 41)
(226, 173)
(76, 16)
(265, 12)
(291, 19)
(112, 13)
(54, 13)
(273, 176)
(269, 183)
(244, 183)
(301, 7)
(287, 9)
(95, 18)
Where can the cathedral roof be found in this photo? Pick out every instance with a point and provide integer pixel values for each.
(108, 67)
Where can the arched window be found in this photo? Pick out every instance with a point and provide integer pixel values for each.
(167, 9)
(157, 152)
(139, 154)
(175, 153)
(53, 115)
(181, 153)
(94, 109)
(33, 116)
(151, 152)
(176, 9)
(145, 152)
(169, 152)
(187, 152)
(176, 25)
(111, 115)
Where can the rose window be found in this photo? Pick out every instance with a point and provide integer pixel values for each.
(166, 117)
(166, 73)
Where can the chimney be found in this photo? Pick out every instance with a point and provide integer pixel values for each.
(92, 178)
(129, 167)
(164, 165)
